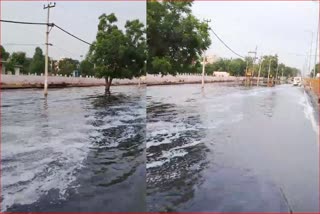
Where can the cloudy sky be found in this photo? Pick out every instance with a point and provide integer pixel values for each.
(79, 18)
(282, 27)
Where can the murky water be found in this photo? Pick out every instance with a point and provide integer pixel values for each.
(79, 150)
(231, 149)
(225, 149)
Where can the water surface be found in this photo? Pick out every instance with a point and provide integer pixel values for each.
(77, 150)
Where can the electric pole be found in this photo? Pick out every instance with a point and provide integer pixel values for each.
(310, 52)
(203, 69)
(277, 70)
(50, 5)
(253, 62)
(204, 58)
(316, 52)
(261, 61)
(269, 71)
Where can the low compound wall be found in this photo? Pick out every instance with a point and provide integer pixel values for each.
(29, 81)
(187, 79)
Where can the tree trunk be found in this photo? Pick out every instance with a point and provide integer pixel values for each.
(108, 84)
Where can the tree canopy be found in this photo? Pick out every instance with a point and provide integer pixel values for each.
(86, 68)
(38, 62)
(237, 67)
(118, 54)
(176, 38)
(4, 55)
(67, 66)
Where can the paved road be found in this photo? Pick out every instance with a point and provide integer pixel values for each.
(231, 149)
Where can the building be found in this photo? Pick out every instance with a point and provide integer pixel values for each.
(221, 74)
(212, 59)
(5, 71)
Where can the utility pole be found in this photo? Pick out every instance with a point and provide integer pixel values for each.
(50, 5)
(261, 61)
(269, 71)
(316, 52)
(204, 59)
(253, 62)
(277, 71)
(203, 69)
(310, 52)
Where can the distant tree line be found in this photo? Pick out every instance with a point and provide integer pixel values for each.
(238, 67)
(36, 64)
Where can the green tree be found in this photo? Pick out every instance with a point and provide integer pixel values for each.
(118, 54)
(317, 70)
(67, 66)
(3, 54)
(236, 67)
(273, 62)
(38, 62)
(86, 68)
(176, 39)
(17, 59)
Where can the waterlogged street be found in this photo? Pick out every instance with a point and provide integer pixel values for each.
(164, 148)
(231, 149)
(79, 150)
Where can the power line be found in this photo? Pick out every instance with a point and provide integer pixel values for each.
(26, 23)
(48, 24)
(226, 45)
(20, 44)
(72, 34)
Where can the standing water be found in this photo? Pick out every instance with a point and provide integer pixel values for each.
(225, 148)
(77, 150)
(231, 149)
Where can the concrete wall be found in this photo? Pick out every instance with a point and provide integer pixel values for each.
(31, 81)
(186, 78)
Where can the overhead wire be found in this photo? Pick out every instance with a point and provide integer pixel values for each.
(226, 44)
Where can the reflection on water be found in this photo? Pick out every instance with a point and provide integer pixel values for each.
(77, 150)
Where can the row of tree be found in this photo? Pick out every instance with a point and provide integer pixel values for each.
(238, 67)
(36, 64)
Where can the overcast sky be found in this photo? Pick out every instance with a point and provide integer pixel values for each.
(281, 27)
(275, 27)
(79, 18)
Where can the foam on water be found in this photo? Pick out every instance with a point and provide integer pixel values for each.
(45, 148)
(167, 156)
(309, 112)
(30, 171)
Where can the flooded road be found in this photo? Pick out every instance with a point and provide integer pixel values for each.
(165, 148)
(231, 149)
(79, 150)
